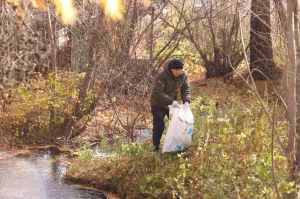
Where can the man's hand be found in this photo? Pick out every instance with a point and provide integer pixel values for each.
(175, 104)
(186, 104)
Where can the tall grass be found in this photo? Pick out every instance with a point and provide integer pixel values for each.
(230, 157)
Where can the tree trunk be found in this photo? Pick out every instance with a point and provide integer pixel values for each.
(261, 53)
(297, 66)
(297, 45)
(53, 64)
(291, 98)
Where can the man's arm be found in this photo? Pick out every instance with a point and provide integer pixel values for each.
(158, 90)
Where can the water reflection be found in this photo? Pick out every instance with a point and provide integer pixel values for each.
(39, 176)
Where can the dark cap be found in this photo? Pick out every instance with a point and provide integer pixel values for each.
(176, 63)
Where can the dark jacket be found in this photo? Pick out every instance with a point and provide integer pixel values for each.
(166, 87)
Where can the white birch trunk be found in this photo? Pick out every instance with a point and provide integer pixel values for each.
(53, 64)
(291, 95)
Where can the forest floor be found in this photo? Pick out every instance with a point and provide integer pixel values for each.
(219, 90)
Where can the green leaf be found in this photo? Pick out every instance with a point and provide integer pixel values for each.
(292, 183)
(172, 170)
(149, 178)
(157, 192)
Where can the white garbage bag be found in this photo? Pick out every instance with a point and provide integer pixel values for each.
(179, 133)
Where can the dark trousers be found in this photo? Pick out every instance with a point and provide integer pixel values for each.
(158, 124)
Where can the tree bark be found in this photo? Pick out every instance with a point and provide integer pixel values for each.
(53, 64)
(261, 52)
(297, 45)
(291, 98)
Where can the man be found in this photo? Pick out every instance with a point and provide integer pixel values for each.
(167, 83)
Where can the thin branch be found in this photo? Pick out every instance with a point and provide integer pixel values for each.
(119, 117)
(272, 150)
(146, 28)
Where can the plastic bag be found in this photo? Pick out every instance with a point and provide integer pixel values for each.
(179, 133)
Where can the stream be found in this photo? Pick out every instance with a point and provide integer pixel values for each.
(38, 175)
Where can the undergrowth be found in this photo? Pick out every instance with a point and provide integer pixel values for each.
(25, 115)
(230, 157)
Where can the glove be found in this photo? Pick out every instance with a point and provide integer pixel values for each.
(175, 104)
(187, 104)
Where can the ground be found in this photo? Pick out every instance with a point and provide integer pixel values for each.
(219, 90)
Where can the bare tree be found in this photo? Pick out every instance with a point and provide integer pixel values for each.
(212, 28)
